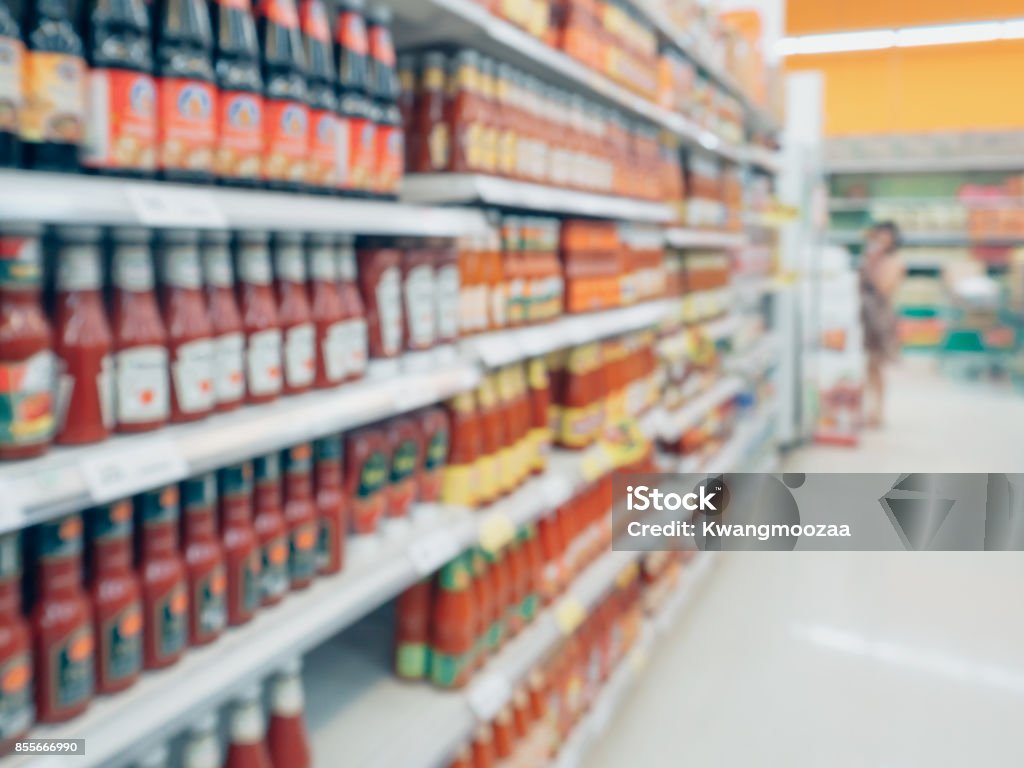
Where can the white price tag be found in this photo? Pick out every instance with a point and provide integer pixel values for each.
(120, 472)
(159, 206)
(488, 695)
(432, 551)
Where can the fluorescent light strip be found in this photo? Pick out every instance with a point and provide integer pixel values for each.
(907, 37)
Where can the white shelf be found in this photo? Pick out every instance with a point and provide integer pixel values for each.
(932, 239)
(678, 422)
(436, 22)
(766, 159)
(679, 237)
(122, 727)
(503, 347)
(73, 478)
(493, 190)
(55, 198)
(434, 723)
(936, 164)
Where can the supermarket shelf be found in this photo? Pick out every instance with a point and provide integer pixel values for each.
(469, 23)
(121, 728)
(55, 198)
(695, 238)
(493, 190)
(73, 478)
(589, 730)
(503, 347)
(678, 422)
(753, 362)
(935, 164)
(435, 723)
(766, 159)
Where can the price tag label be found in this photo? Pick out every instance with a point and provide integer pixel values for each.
(160, 206)
(488, 695)
(496, 530)
(569, 614)
(432, 551)
(120, 472)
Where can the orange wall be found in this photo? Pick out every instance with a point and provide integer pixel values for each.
(907, 90)
(812, 16)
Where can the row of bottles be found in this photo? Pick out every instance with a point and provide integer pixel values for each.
(450, 624)
(542, 712)
(200, 91)
(130, 585)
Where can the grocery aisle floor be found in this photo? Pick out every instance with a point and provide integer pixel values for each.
(844, 660)
(835, 660)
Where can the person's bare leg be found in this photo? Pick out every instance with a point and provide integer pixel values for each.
(874, 392)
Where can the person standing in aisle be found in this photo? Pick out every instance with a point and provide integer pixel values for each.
(881, 273)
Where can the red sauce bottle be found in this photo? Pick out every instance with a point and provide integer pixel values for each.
(286, 735)
(380, 283)
(501, 579)
(356, 109)
(142, 385)
(61, 623)
(82, 340)
(323, 159)
(355, 342)
(429, 136)
(16, 712)
(488, 602)
(293, 314)
(189, 331)
(116, 598)
(241, 545)
(225, 321)
(271, 529)
(540, 413)
(164, 579)
(204, 559)
(367, 471)
(263, 364)
(492, 440)
(300, 514)
(482, 600)
(435, 428)
(246, 747)
(461, 483)
(405, 445)
(482, 748)
(326, 311)
(419, 310)
(412, 630)
(330, 504)
(27, 364)
(453, 625)
(447, 288)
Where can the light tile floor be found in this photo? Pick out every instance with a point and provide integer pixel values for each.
(850, 660)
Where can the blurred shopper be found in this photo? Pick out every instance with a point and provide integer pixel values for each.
(881, 273)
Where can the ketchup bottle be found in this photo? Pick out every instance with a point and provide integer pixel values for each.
(26, 358)
(202, 747)
(186, 92)
(246, 747)
(389, 144)
(436, 432)
(324, 151)
(461, 483)
(116, 598)
(286, 120)
(300, 514)
(355, 341)
(204, 559)
(53, 116)
(83, 341)
(164, 579)
(16, 712)
(140, 341)
(259, 318)
(293, 315)
(12, 53)
(354, 105)
(189, 332)
(271, 529)
(225, 321)
(367, 470)
(121, 123)
(452, 625)
(61, 623)
(412, 630)
(405, 445)
(239, 147)
(286, 735)
(330, 504)
(326, 311)
(241, 545)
